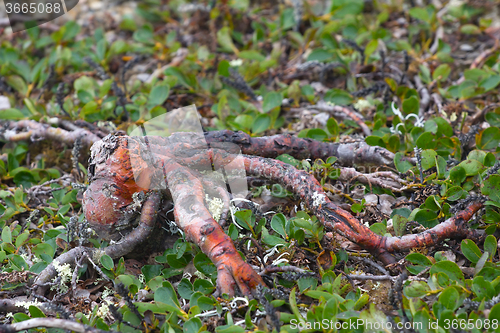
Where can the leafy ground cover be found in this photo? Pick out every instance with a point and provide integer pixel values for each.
(419, 80)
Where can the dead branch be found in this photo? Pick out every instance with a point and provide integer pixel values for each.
(342, 112)
(49, 323)
(384, 179)
(425, 98)
(34, 131)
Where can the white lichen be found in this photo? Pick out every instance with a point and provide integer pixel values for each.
(64, 276)
(107, 292)
(318, 199)
(236, 63)
(27, 304)
(362, 105)
(215, 206)
(103, 310)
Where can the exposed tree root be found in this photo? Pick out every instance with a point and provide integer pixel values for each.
(123, 166)
(348, 154)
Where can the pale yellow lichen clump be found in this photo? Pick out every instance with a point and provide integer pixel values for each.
(64, 273)
(215, 206)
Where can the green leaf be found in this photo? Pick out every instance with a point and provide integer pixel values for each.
(333, 127)
(378, 228)
(427, 218)
(426, 141)
(470, 29)
(491, 187)
(107, 262)
(490, 82)
(166, 299)
(272, 100)
(24, 178)
(158, 95)
(481, 262)
(457, 174)
(166, 295)
(420, 14)
(488, 139)
(176, 262)
(490, 246)
(225, 41)
(185, 289)
(417, 289)
(144, 35)
(492, 118)
(261, 123)
(374, 141)
(204, 286)
(320, 54)
(317, 134)
(441, 73)
(411, 105)
(338, 97)
(252, 55)
(43, 248)
(101, 49)
(90, 111)
(470, 250)
(401, 165)
(272, 240)
(371, 47)
(36, 312)
(450, 298)
(494, 313)
(471, 167)
(454, 193)
(11, 114)
(482, 288)
(84, 96)
(419, 261)
(229, 329)
(223, 68)
(17, 83)
(399, 223)
(444, 128)
(193, 325)
(19, 261)
(245, 219)
(21, 239)
(278, 223)
(204, 265)
(6, 234)
(428, 159)
(449, 268)
(431, 126)
(150, 271)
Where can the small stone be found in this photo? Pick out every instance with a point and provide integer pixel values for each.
(466, 48)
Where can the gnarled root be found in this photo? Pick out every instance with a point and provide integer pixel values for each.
(195, 220)
(335, 218)
(140, 234)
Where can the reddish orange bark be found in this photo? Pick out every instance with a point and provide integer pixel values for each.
(109, 200)
(109, 197)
